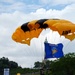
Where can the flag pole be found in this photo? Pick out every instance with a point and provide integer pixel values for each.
(44, 60)
(43, 69)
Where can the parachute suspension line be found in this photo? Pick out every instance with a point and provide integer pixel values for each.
(35, 50)
(67, 44)
(61, 39)
(42, 49)
(73, 46)
(33, 47)
(54, 37)
(50, 36)
(27, 51)
(30, 51)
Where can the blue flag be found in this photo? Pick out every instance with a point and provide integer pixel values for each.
(53, 50)
(48, 51)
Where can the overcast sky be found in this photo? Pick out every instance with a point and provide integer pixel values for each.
(13, 13)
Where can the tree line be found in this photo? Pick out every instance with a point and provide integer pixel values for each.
(61, 66)
(13, 67)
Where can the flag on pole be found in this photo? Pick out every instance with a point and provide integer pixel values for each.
(48, 51)
(53, 50)
(57, 50)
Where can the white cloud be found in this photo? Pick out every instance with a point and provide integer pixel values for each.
(20, 5)
(23, 53)
(14, 5)
(57, 2)
(66, 13)
(7, 1)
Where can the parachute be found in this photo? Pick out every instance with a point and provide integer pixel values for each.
(27, 31)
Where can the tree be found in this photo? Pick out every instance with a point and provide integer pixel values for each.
(37, 65)
(13, 64)
(5, 63)
(64, 65)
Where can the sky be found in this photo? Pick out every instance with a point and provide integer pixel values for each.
(13, 13)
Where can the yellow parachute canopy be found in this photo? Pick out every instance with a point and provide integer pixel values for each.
(29, 30)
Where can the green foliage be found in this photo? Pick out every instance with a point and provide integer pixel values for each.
(14, 68)
(37, 64)
(5, 63)
(61, 66)
(64, 66)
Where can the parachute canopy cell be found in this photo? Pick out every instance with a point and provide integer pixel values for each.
(29, 30)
